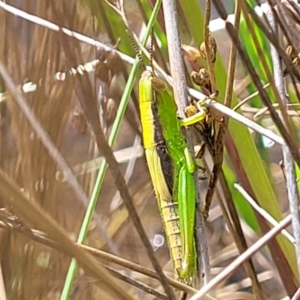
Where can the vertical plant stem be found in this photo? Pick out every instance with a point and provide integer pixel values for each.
(13, 194)
(240, 259)
(180, 93)
(289, 139)
(291, 183)
(238, 232)
(210, 65)
(123, 104)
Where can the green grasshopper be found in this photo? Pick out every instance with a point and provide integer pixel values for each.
(171, 168)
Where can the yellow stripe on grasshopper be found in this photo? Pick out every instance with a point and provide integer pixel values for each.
(168, 209)
(171, 168)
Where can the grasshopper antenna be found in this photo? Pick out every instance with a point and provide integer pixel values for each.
(137, 50)
(151, 50)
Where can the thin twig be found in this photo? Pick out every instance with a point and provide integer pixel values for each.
(44, 137)
(144, 287)
(43, 238)
(262, 212)
(263, 60)
(248, 98)
(256, 80)
(180, 93)
(237, 232)
(210, 65)
(113, 166)
(290, 171)
(197, 95)
(248, 253)
(11, 195)
(240, 118)
(137, 268)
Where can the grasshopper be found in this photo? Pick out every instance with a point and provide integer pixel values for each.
(171, 169)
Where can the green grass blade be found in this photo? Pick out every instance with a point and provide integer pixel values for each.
(249, 159)
(121, 111)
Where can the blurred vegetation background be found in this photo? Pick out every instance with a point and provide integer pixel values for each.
(71, 87)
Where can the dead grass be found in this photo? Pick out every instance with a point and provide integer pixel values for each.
(35, 267)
